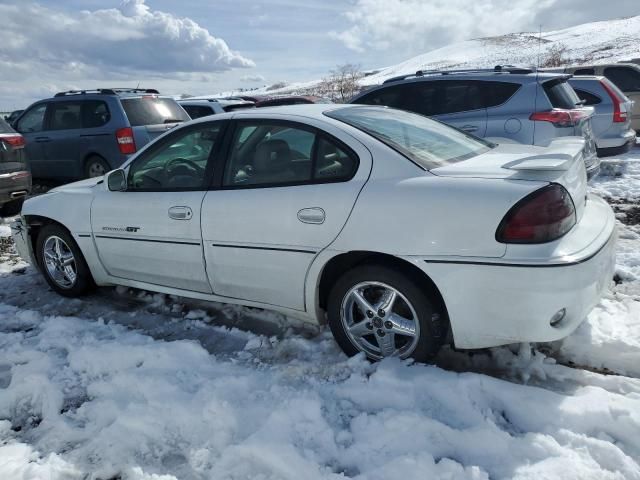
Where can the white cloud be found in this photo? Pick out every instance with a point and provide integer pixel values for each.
(252, 78)
(43, 46)
(418, 26)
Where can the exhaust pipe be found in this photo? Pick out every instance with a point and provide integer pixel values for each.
(19, 194)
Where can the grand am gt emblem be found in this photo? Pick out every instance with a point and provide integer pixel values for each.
(121, 229)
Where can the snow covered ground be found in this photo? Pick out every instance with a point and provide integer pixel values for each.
(126, 385)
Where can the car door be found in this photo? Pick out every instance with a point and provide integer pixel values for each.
(285, 194)
(63, 130)
(459, 103)
(627, 79)
(151, 232)
(31, 125)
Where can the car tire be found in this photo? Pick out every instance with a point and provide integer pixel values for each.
(67, 273)
(12, 208)
(388, 333)
(95, 167)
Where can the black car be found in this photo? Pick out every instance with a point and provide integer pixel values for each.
(15, 177)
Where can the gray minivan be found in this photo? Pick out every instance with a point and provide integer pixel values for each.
(86, 133)
(505, 104)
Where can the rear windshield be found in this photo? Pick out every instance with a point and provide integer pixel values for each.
(428, 143)
(150, 110)
(560, 94)
(4, 126)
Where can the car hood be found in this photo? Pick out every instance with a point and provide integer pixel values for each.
(80, 185)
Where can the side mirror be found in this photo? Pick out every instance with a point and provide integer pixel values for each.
(117, 180)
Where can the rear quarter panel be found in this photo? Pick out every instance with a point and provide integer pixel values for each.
(431, 216)
(511, 119)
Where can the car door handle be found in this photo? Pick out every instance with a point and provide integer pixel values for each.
(470, 128)
(314, 215)
(42, 139)
(180, 213)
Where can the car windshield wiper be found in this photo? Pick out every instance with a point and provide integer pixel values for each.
(173, 120)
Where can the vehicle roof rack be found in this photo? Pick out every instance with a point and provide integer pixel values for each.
(511, 69)
(107, 91)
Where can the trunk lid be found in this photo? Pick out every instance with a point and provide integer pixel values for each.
(561, 162)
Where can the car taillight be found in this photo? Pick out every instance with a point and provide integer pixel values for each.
(619, 109)
(542, 216)
(560, 117)
(16, 141)
(126, 143)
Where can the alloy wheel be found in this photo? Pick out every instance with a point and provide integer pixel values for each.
(379, 320)
(60, 262)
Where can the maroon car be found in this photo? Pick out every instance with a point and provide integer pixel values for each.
(290, 100)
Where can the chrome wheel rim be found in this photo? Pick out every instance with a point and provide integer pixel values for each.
(60, 262)
(380, 321)
(96, 169)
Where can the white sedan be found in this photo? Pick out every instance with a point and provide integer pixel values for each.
(398, 231)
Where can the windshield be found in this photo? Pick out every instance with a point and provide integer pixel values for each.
(428, 143)
(152, 110)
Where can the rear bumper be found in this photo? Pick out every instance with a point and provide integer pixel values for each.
(14, 185)
(610, 147)
(500, 301)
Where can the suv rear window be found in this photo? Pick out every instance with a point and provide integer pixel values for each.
(560, 94)
(150, 110)
(4, 127)
(427, 143)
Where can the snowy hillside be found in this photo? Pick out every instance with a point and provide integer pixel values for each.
(597, 42)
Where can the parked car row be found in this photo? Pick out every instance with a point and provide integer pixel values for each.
(508, 104)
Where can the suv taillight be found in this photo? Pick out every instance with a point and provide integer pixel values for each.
(542, 216)
(16, 141)
(560, 117)
(619, 109)
(126, 143)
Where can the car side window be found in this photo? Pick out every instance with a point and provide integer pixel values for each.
(459, 96)
(32, 120)
(585, 71)
(277, 154)
(179, 163)
(417, 97)
(95, 113)
(588, 98)
(626, 79)
(65, 115)
(272, 154)
(197, 111)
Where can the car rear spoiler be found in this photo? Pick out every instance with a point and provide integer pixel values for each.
(560, 155)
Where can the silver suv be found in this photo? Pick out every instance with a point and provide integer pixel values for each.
(504, 104)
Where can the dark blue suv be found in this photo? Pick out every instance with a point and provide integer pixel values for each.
(86, 133)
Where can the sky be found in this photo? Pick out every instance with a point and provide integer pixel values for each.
(207, 46)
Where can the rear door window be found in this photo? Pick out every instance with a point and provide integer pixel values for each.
(65, 115)
(560, 94)
(585, 71)
(152, 110)
(459, 96)
(627, 79)
(588, 98)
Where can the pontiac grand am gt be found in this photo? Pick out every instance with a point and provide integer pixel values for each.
(402, 233)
